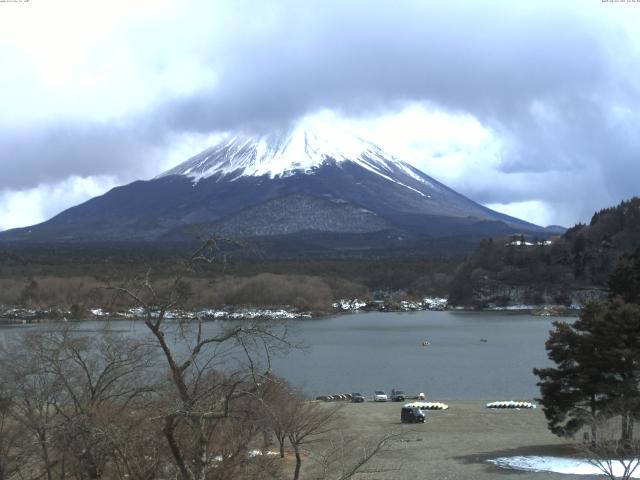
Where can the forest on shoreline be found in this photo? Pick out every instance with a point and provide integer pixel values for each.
(502, 271)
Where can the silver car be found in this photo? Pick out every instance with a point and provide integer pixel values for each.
(380, 396)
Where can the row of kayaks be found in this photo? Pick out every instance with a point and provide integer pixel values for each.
(427, 405)
(426, 343)
(444, 406)
(510, 404)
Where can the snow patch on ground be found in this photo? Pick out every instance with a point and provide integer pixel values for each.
(348, 304)
(521, 243)
(573, 466)
(514, 307)
(279, 314)
(210, 314)
(258, 453)
(435, 303)
(428, 303)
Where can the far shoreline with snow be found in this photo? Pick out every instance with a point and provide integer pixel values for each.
(16, 314)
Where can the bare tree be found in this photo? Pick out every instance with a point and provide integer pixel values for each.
(12, 440)
(136, 449)
(70, 389)
(206, 387)
(312, 431)
(278, 405)
(308, 422)
(615, 455)
(34, 396)
(337, 460)
(191, 400)
(101, 377)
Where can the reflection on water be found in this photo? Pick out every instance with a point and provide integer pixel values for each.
(369, 351)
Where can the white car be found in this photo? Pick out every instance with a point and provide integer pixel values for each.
(379, 396)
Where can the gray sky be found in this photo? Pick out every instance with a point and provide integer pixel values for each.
(531, 108)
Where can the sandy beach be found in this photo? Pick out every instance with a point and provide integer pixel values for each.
(452, 444)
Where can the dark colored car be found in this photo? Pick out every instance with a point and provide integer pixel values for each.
(412, 415)
(397, 396)
(357, 397)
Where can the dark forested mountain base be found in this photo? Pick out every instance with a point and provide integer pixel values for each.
(501, 271)
(62, 277)
(583, 258)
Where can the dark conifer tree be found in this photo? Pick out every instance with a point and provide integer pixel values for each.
(597, 369)
(625, 280)
(572, 393)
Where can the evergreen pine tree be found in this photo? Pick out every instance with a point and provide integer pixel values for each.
(625, 280)
(597, 370)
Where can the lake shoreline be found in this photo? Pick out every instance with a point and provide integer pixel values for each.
(17, 315)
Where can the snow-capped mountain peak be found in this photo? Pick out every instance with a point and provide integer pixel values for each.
(299, 150)
(309, 190)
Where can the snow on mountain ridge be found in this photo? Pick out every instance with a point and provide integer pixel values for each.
(282, 154)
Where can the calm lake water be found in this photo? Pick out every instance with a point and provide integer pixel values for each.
(369, 351)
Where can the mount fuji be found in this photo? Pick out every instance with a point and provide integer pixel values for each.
(297, 192)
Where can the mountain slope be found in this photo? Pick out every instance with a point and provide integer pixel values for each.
(282, 185)
(580, 260)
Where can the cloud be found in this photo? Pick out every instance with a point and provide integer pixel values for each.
(357, 57)
(54, 152)
(31, 206)
(534, 211)
(511, 103)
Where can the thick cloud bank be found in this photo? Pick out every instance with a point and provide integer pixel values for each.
(121, 91)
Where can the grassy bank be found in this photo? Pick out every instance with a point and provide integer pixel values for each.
(453, 444)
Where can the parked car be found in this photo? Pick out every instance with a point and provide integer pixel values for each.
(397, 396)
(357, 397)
(412, 415)
(380, 396)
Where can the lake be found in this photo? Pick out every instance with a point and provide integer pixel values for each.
(369, 351)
